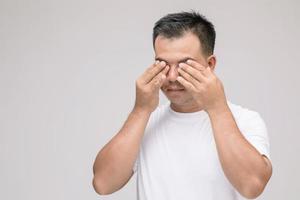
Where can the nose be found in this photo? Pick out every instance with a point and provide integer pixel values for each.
(172, 73)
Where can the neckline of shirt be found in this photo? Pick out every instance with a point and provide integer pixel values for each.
(185, 116)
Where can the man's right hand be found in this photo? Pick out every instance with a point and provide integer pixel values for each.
(148, 85)
(114, 164)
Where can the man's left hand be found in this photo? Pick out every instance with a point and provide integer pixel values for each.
(203, 84)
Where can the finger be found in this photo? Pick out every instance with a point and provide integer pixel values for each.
(189, 86)
(165, 70)
(196, 65)
(150, 67)
(159, 79)
(210, 73)
(153, 71)
(198, 75)
(189, 78)
(155, 64)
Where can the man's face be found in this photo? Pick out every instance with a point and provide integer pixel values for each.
(174, 51)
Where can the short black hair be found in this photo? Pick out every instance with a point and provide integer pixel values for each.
(175, 25)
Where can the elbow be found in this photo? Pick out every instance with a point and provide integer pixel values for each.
(256, 185)
(99, 187)
(253, 188)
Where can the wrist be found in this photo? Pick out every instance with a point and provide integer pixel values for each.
(220, 109)
(141, 111)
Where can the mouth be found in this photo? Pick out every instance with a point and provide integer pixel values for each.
(175, 90)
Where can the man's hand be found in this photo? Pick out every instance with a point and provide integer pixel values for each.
(148, 85)
(203, 84)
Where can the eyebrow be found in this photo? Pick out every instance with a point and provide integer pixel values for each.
(182, 60)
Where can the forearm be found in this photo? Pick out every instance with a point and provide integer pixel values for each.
(242, 164)
(114, 163)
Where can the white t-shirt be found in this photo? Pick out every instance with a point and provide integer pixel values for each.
(178, 158)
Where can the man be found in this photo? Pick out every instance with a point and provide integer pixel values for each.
(198, 146)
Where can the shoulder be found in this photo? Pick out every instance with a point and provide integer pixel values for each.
(249, 121)
(243, 114)
(253, 127)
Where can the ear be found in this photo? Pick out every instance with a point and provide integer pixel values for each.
(211, 61)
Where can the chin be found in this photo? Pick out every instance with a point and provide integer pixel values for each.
(178, 100)
(175, 101)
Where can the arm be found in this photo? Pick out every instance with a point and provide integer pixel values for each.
(246, 169)
(113, 166)
(114, 163)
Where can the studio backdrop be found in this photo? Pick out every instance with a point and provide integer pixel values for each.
(67, 85)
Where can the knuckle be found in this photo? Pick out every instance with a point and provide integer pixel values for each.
(138, 82)
(139, 88)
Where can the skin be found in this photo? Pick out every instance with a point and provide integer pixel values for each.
(114, 163)
(246, 169)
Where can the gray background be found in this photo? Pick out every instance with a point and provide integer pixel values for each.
(67, 84)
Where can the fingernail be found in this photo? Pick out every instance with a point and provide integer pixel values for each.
(162, 63)
(181, 65)
(156, 62)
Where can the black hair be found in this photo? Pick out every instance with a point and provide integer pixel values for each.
(175, 25)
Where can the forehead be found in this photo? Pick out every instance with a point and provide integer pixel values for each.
(175, 49)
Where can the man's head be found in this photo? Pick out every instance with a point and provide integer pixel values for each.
(177, 37)
(175, 25)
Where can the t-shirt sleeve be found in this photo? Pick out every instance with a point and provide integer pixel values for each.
(255, 131)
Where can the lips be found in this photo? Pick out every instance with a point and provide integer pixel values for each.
(175, 89)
